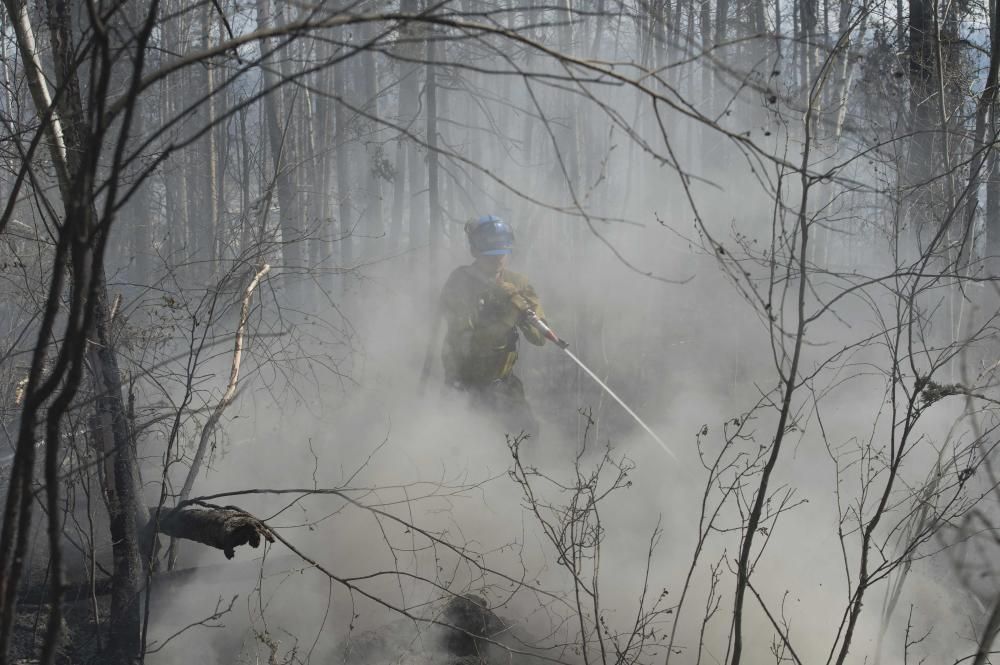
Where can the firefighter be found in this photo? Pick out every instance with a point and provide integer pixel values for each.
(487, 308)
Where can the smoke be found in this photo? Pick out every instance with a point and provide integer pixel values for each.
(694, 224)
(685, 356)
(679, 308)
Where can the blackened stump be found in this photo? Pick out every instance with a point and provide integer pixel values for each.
(472, 621)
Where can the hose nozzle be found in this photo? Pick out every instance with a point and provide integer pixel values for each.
(544, 328)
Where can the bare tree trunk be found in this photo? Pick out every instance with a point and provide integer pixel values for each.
(595, 48)
(722, 21)
(706, 139)
(807, 14)
(433, 193)
(125, 506)
(311, 127)
(760, 16)
(777, 28)
(846, 65)
(136, 214)
(398, 194)
(374, 225)
(296, 117)
(418, 220)
(246, 227)
(570, 136)
(279, 139)
(323, 246)
(919, 164)
(219, 109)
(797, 45)
(981, 147)
(406, 117)
(208, 228)
(661, 14)
(343, 143)
(922, 65)
(175, 196)
(993, 204)
(140, 221)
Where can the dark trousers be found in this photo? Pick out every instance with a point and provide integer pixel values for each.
(505, 401)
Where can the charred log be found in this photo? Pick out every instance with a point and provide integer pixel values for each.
(224, 528)
(473, 626)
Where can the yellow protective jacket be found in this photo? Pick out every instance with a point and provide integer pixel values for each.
(483, 320)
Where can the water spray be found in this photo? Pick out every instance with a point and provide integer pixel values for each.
(539, 324)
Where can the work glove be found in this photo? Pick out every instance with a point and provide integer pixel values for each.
(509, 288)
(522, 301)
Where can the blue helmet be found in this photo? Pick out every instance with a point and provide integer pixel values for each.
(489, 236)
